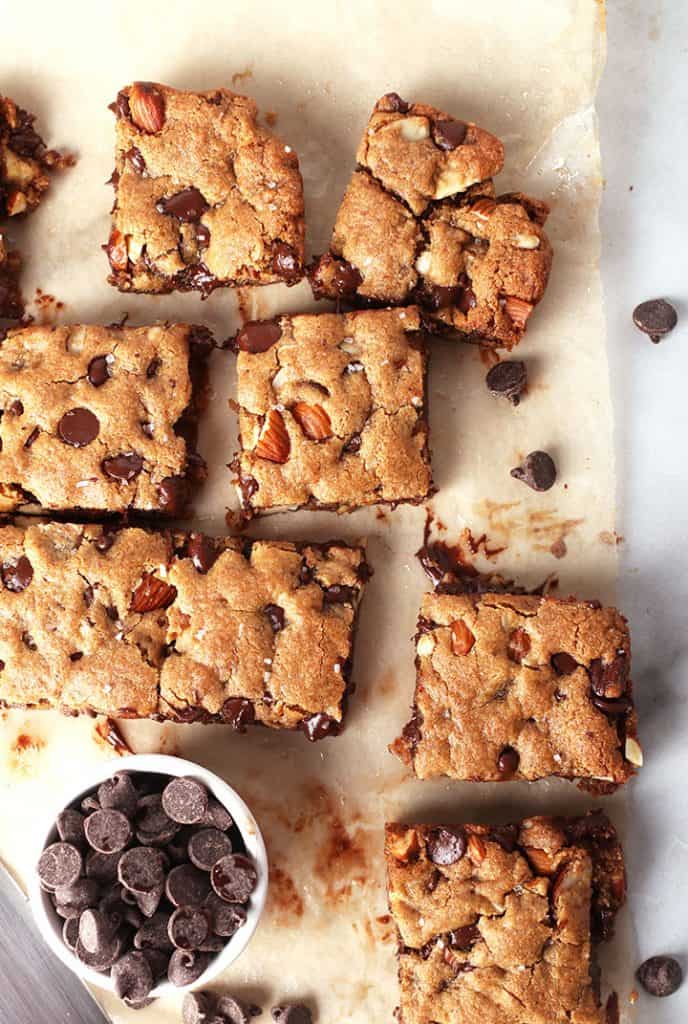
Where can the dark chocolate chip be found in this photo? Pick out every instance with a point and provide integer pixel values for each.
(450, 134)
(148, 902)
(238, 712)
(346, 278)
(72, 900)
(153, 933)
(660, 975)
(104, 958)
(353, 445)
(70, 932)
(173, 494)
(202, 552)
(258, 336)
(16, 408)
(507, 379)
(102, 866)
(202, 234)
(339, 593)
(306, 573)
(78, 427)
(217, 816)
(185, 801)
(292, 1013)
(225, 918)
(207, 846)
(392, 103)
(95, 930)
(656, 317)
(563, 664)
(16, 575)
(141, 869)
(121, 105)
(132, 977)
(465, 300)
(187, 886)
(613, 707)
(275, 616)
(188, 928)
(197, 1007)
(108, 831)
(187, 205)
(464, 938)
(70, 826)
(537, 470)
(185, 967)
(98, 371)
(234, 878)
(609, 680)
(60, 864)
(125, 467)
(235, 1011)
(32, 437)
(319, 727)
(285, 262)
(446, 845)
(508, 761)
(154, 827)
(106, 540)
(136, 159)
(118, 793)
(153, 367)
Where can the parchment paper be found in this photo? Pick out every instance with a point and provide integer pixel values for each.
(527, 71)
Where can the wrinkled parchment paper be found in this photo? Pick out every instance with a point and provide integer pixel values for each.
(526, 71)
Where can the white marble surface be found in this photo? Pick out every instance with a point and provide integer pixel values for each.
(642, 107)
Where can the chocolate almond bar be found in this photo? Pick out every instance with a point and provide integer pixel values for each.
(501, 924)
(178, 627)
(521, 687)
(420, 223)
(332, 411)
(204, 195)
(25, 161)
(101, 418)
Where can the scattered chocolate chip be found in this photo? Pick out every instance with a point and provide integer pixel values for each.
(235, 1011)
(141, 869)
(197, 1008)
(132, 977)
(238, 712)
(225, 918)
(656, 317)
(60, 864)
(537, 470)
(187, 205)
(98, 371)
(16, 575)
(258, 336)
(108, 831)
(207, 846)
(319, 726)
(202, 552)
(187, 886)
(78, 427)
(125, 467)
(450, 134)
(285, 262)
(185, 801)
(188, 928)
(118, 793)
(563, 664)
(508, 761)
(275, 616)
(446, 845)
(660, 975)
(507, 379)
(292, 1013)
(234, 878)
(70, 826)
(185, 967)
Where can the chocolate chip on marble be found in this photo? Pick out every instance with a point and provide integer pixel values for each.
(446, 846)
(125, 467)
(187, 886)
(660, 975)
(185, 967)
(292, 1013)
(108, 831)
(99, 370)
(656, 317)
(132, 977)
(17, 575)
(236, 1011)
(78, 427)
(225, 918)
(141, 869)
(508, 761)
(60, 864)
(197, 1007)
(188, 927)
(185, 801)
(258, 336)
(207, 846)
(537, 471)
(119, 793)
(70, 826)
(450, 134)
(234, 878)
(507, 379)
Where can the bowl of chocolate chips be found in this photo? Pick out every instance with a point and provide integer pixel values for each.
(150, 880)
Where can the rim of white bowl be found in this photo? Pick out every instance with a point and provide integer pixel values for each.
(50, 923)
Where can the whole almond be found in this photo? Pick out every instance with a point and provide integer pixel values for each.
(477, 850)
(146, 107)
(313, 420)
(461, 637)
(273, 444)
(152, 593)
(117, 251)
(484, 208)
(518, 310)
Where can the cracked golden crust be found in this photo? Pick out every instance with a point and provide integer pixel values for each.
(366, 371)
(210, 141)
(148, 388)
(208, 641)
(474, 698)
(503, 934)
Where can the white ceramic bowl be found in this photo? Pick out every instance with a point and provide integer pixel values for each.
(50, 924)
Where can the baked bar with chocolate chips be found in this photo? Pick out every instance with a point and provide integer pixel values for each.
(332, 411)
(178, 627)
(502, 924)
(25, 161)
(420, 223)
(521, 687)
(101, 418)
(204, 195)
